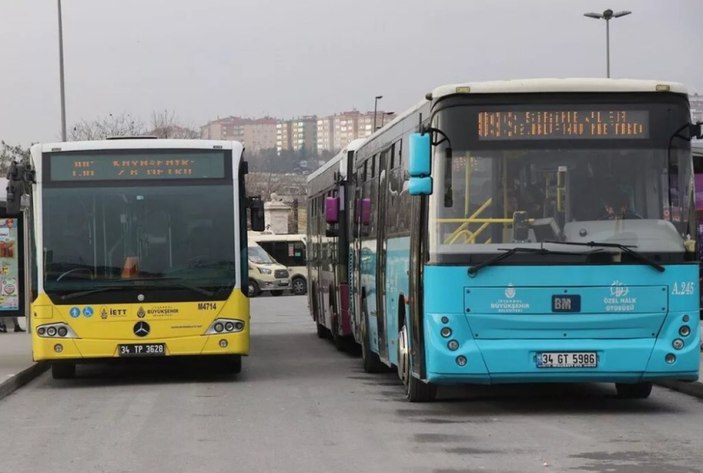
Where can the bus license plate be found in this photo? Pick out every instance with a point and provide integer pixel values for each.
(142, 349)
(588, 359)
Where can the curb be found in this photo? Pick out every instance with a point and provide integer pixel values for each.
(692, 389)
(14, 382)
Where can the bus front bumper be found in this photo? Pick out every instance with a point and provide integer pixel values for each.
(85, 349)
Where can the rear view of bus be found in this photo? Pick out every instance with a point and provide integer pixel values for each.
(141, 251)
(560, 236)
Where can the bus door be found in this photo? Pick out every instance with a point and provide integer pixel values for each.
(355, 266)
(382, 202)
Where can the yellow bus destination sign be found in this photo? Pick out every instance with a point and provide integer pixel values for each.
(563, 124)
(118, 167)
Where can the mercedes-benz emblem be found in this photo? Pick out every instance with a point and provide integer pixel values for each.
(141, 329)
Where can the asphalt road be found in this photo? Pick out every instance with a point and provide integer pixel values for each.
(301, 406)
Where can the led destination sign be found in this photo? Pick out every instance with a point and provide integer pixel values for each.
(113, 166)
(563, 124)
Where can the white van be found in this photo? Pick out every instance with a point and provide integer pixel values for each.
(265, 273)
(290, 251)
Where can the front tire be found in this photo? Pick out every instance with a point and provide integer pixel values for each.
(253, 288)
(231, 364)
(63, 370)
(633, 391)
(416, 390)
(337, 339)
(322, 331)
(300, 286)
(370, 360)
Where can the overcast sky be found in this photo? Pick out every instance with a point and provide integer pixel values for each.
(207, 58)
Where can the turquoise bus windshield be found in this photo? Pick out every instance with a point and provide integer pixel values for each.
(510, 184)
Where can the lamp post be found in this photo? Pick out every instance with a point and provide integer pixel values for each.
(383, 117)
(375, 108)
(607, 15)
(63, 94)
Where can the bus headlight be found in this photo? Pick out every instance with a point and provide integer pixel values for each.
(677, 344)
(685, 331)
(57, 330)
(222, 326)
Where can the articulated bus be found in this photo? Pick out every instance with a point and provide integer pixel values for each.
(528, 231)
(328, 247)
(140, 251)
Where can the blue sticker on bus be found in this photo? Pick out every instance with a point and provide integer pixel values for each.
(88, 311)
(75, 312)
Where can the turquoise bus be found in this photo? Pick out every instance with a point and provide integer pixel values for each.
(528, 231)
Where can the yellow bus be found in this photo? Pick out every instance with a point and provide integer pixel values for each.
(141, 250)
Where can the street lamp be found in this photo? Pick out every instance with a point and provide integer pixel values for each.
(383, 117)
(375, 108)
(607, 15)
(63, 94)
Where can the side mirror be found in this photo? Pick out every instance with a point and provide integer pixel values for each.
(420, 186)
(332, 210)
(696, 130)
(419, 164)
(256, 207)
(366, 211)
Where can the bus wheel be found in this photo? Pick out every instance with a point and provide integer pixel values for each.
(371, 361)
(415, 389)
(231, 364)
(63, 370)
(633, 391)
(300, 287)
(322, 331)
(337, 339)
(253, 288)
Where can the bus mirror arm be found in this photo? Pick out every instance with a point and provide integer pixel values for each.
(696, 130)
(256, 207)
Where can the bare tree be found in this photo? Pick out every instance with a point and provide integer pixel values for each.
(165, 125)
(10, 153)
(102, 128)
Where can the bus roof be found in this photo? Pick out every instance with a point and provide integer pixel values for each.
(523, 86)
(352, 146)
(138, 143)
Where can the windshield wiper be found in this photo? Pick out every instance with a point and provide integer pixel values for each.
(199, 290)
(510, 252)
(73, 295)
(628, 249)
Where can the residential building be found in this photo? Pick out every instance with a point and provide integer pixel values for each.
(297, 134)
(335, 132)
(255, 134)
(696, 101)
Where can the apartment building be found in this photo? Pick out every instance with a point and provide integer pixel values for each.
(336, 131)
(255, 134)
(297, 134)
(696, 101)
